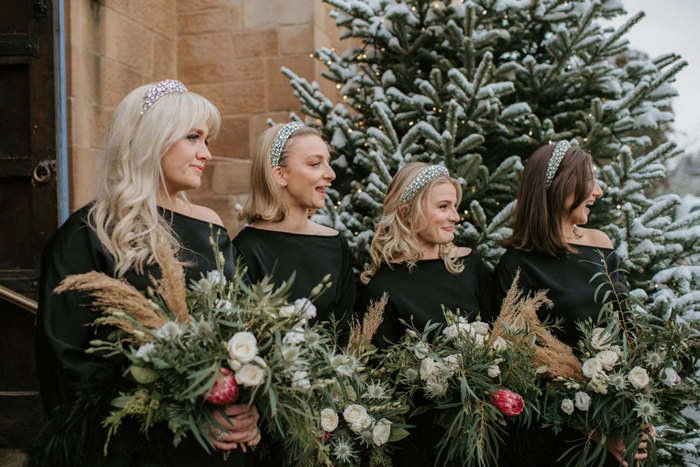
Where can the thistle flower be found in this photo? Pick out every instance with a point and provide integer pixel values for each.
(646, 409)
(618, 381)
(342, 450)
(656, 359)
(376, 390)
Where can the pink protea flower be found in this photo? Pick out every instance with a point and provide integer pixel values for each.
(225, 390)
(508, 402)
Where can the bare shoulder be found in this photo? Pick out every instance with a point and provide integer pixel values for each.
(318, 229)
(463, 251)
(596, 238)
(205, 214)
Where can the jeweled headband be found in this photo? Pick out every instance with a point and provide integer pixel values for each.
(554, 161)
(159, 90)
(423, 177)
(281, 139)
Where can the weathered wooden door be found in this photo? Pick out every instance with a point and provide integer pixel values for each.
(28, 210)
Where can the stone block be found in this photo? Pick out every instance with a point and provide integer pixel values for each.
(258, 124)
(235, 70)
(80, 23)
(83, 165)
(297, 39)
(164, 63)
(117, 81)
(121, 6)
(209, 21)
(231, 176)
(235, 97)
(100, 116)
(158, 15)
(188, 6)
(260, 43)
(204, 48)
(82, 69)
(233, 140)
(124, 40)
(258, 14)
(278, 91)
(78, 112)
(296, 12)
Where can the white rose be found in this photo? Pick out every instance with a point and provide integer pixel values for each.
(294, 337)
(329, 420)
(287, 311)
(479, 340)
(143, 352)
(250, 375)
(305, 308)
(494, 371)
(242, 347)
(451, 331)
(607, 358)
(381, 432)
(357, 417)
(428, 369)
(670, 377)
(591, 367)
(567, 406)
(300, 380)
(481, 328)
(600, 340)
(421, 350)
(214, 277)
(599, 383)
(583, 400)
(452, 362)
(638, 377)
(499, 344)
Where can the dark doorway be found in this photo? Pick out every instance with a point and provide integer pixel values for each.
(28, 201)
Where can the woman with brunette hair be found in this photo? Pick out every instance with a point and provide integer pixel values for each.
(289, 176)
(415, 262)
(156, 150)
(553, 252)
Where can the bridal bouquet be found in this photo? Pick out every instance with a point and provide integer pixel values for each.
(475, 381)
(360, 411)
(192, 349)
(638, 371)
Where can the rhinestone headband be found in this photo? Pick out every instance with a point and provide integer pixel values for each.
(161, 89)
(554, 161)
(423, 177)
(281, 139)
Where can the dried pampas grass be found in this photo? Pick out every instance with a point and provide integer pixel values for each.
(521, 313)
(112, 296)
(361, 334)
(172, 286)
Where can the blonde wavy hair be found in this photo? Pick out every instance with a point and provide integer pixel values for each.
(265, 202)
(125, 214)
(395, 237)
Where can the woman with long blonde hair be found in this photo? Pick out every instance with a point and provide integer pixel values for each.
(290, 173)
(156, 150)
(415, 262)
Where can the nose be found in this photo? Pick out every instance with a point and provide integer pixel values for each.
(453, 215)
(329, 173)
(203, 153)
(597, 191)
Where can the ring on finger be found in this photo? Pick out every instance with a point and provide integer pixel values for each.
(219, 435)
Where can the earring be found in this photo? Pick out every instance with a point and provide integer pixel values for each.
(284, 184)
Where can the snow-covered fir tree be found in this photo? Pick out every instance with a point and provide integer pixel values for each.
(477, 86)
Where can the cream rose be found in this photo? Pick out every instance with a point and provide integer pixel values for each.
(294, 337)
(599, 383)
(591, 367)
(607, 358)
(480, 328)
(287, 311)
(567, 406)
(242, 347)
(250, 375)
(600, 340)
(381, 432)
(638, 377)
(670, 377)
(583, 401)
(494, 371)
(357, 417)
(329, 420)
(499, 344)
(305, 308)
(428, 369)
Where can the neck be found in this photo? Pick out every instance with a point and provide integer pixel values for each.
(430, 250)
(296, 221)
(171, 202)
(568, 230)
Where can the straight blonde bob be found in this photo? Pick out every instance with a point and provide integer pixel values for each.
(125, 214)
(265, 202)
(395, 236)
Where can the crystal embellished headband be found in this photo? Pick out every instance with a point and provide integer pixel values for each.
(281, 139)
(159, 90)
(554, 161)
(423, 177)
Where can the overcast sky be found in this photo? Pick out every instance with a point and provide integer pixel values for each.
(671, 26)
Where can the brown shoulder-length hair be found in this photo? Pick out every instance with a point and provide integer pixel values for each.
(539, 211)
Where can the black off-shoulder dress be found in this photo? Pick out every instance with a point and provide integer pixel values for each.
(311, 257)
(417, 295)
(77, 387)
(568, 281)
